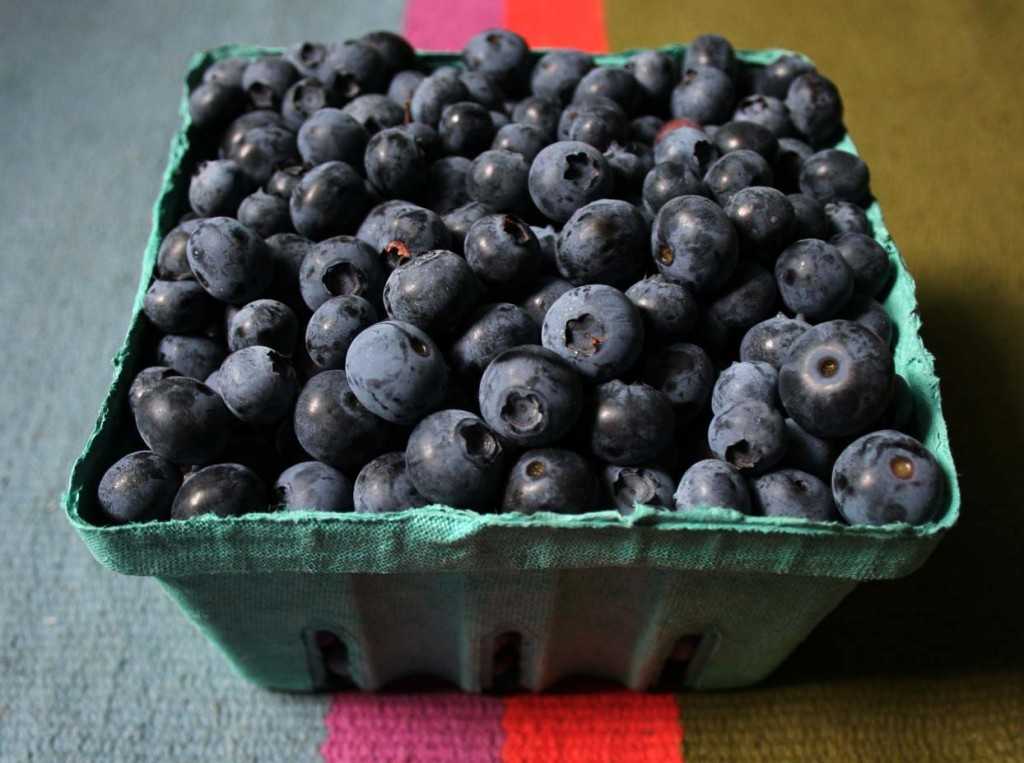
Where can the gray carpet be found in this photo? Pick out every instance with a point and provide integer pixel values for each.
(95, 666)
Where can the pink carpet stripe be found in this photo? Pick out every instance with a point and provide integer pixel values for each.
(448, 24)
(413, 728)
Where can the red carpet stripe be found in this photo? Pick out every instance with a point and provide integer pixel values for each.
(448, 24)
(413, 728)
(611, 727)
(559, 23)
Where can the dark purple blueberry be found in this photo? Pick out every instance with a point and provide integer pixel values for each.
(887, 477)
(713, 483)
(355, 69)
(284, 180)
(459, 220)
(465, 128)
(375, 112)
(410, 231)
(333, 326)
(218, 187)
(867, 259)
(809, 452)
(814, 279)
(384, 485)
(490, 331)
(226, 71)
(711, 50)
(834, 175)
(313, 486)
(628, 486)
(440, 89)
(193, 356)
(225, 490)
(774, 78)
(287, 251)
(338, 266)
(747, 136)
(567, 175)
(704, 94)
(656, 73)
(685, 374)
(213, 104)
(403, 86)
(748, 298)
(539, 301)
(263, 150)
(770, 113)
(483, 89)
(172, 257)
(846, 217)
(815, 108)
(770, 340)
(144, 381)
(396, 164)
(686, 145)
(530, 396)
(735, 171)
(668, 180)
(446, 181)
(394, 51)
(557, 73)
(630, 165)
(258, 385)
(265, 214)
(746, 380)
(669, 309)
(550, 479)
(304, 98)
(309, 58)
(376, 227)
(837, 379)
(526, 140)
(140, 487)
(793, 493)
(264, 322)
(598, 125)
(750, 435)
(236, 131)
(631, 424)
(869, 312)
(764, 219)
(433, 291)
(603, 242)
(789, 161)
(183, 420)
(809, 219)
(694, 243)
(499, 180)
(609, 82)
(332, 135)
(539, 112)
(178, 307)
(501, 55)
(453, 458)
(266, 80)
(645, 128)
(329, 200)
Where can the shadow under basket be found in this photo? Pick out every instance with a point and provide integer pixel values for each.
(307, 601)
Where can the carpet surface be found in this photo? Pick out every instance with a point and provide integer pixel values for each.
(99, 667)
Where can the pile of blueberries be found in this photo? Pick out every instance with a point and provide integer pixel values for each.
(521, 284)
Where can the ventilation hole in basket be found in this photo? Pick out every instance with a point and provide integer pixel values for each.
(332, 654)
(507, 662)
(673, 672)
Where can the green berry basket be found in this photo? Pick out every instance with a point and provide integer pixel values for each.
(721, 597)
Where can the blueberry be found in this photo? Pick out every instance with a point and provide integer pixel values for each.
(713, 483)
(547, 239)
(530, 396)
(374, 112)
(498, 179)
(539, 112)
(264, 322)
(178, 307)
(645, 128)
(218, 187)
(747, 136)
(434, 93)
(746, 380)
(396, 164)
(332, 135)
(145, 380)
(770, 340)
(684, 373)
(375, 229)
(287, 251)
(140, 487)
(502, 251)
(304, 98)
(519, 138)
(309, 58)
(557, 73)
(384, 485)
(265, 214)
(483, 89)
(236, 131)
(194, 356)
(704, 94)
(630, 165)
(258, 384)
(631, 423)
(837, 379)
(434, 291)
(550, 479)
(453, 458)
(603, 243)
(609, 82)
(809, 219)
(887, 477)
(315, 486)
(394, 50)
(809, 452)
(266, 80)
(789, 161)
(631, 485)
(333, 326)
(182, 420)
(711, 50)
(656, 73)
(264, 149)
(465, 128)
(172, 257)
(793, 493)
(774, 78)
(355, 69)
(539, 301)
(597, 329)
(750, 435)
(500, 54)
(213, 104)
(867, 259)
(846, 217)
(402, 87)
(870, 313)
(225, 490)
(766, 111)
(567, 175)
(338, 266)
(410, 231)
(686, 145)
(669, 309)
(492, 330)
(763, 218)
(598, 125)
(833, 175)
(446, 180)
(460, 220)
(329, 200)
(694, 243)
(667, 181)
(815, 108)
(814, 279)
(333, 426)
(284, 180)
(226, 71)
(396, 372)
(899, 414)
(735, 171)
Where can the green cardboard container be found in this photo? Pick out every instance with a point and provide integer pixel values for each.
(436, 590)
